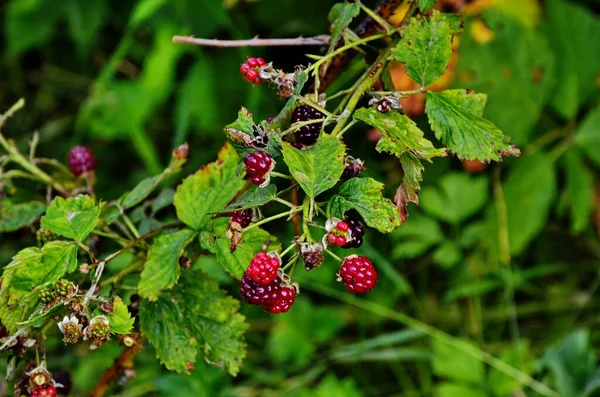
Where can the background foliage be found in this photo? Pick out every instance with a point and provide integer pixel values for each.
(505, 259)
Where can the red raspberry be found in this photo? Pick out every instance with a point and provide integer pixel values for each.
(340, 240)
(280, 300)
(307, 135)
(48, 391)
(249, 69)
(263, 268)
(358, 274)
(252, 77)
(258, 165)
(358, 232)
(81, 160)
(243, 217)
(342, 226)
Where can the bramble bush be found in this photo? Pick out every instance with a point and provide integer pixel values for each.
(294, 212)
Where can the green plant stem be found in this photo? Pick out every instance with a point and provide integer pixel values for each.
(334, 256)
(287, 250)
(89, 252)
(272, 218)
(314, 105)
(279, 175)
(284, 202)
(382, 22)
(296, 126)
(112, 236)
(435, 333)
(129, 224)
(291, 262)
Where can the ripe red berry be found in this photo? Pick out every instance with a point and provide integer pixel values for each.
(48, 391)
(244, 68)
(340, 240)
(280, 300)
(358, 274)
(252, 76)
(263, 268)
(331, 238)
(243, 217)
(357, 231)
(258, 164)
(343, 226)
(308, 134)
(252, 62)
(81, 160)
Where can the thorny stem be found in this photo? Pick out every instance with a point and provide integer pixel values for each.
(254, 42)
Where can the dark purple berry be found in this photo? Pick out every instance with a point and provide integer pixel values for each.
(258, 164)
(308, 134)
(351, 171)
(81, 160)
(358, 232)
(243, 217)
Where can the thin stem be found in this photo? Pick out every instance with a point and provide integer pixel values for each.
(272, 218)
(382, 22)
(437, 334)
(280, 175)
(314, 105)
(339, 94)
(334, 256)
(97, 275)
(346, 128)
(142, 238)
(300, 124)
(130, 224)
(287, 250)
(89, 252)
(284, 202)
(254, 42)
(111, 235)
(291, 262)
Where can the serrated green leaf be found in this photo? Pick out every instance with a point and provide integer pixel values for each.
(452, 363)
(120, 320)
(161, 270)
(73, 218)
(408, 191)
(251, 198)
(399, 134)
(580, 190)
(15, 216)
(244, 135)
(31, 269)
(425, 48)
(209, 189)
(340, 16)
(235, 263)
(455, 117)
(426, 5)
(195, 315)
(319, 168)
(364, 195)
(458, 197)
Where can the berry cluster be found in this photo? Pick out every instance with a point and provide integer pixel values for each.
(243, 217)
(357, 231)
(249, 69)
(338, 233)
(307, 135)
(48, 391)
(273, 297)
(81, 160)
(358, 273)
(263, 268)
(258, 164)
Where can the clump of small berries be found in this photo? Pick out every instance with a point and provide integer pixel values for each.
(263, 268)
(307, 135)
(357, 232)
(250, 69)
(98, 332)
(81, 160)
(48, 391)
(353, 167)
(258, 165)
(242, 217)
(358, 273)
(46, 296)
(338, 232)
(278, 296)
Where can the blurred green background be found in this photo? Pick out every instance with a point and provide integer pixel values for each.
(506, 259)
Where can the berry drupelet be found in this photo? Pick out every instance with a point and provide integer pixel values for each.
(308, 134)
(358, 273)
(81, 160)
(243, 217)
(250, 68)
(258, 164)
(48, 391)
(357, 232)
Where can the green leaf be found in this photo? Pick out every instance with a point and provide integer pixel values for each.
(416, 236)
(455, 117)
(340, 16)
(447, 255)
(73, 218)
(15, 216)
(319, 168)
(529, 192)
(587, 138)
(209, 189)
(246, 137)
(143, 10)
(235, 263)
(502, 384)
(120, 320)
(364, 195)
(425, 48)
(573, 31)
(253, 197)
(452, 363)
(195, 315)
(30, 23)
(447, 389)
(161, 270)
(84, 20)
(459, 196)
(408, 191)
(399, 134)
(426, 5)
(580, 190)
(31, 269)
